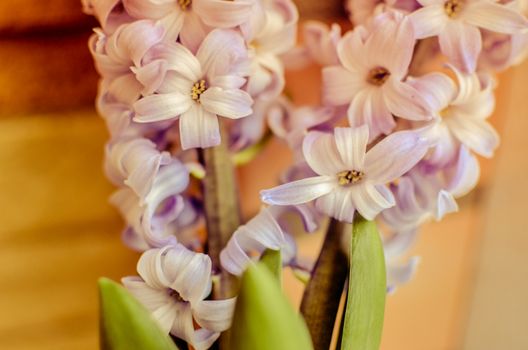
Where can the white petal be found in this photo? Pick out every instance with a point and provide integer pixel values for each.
(446, 204)
(231, 103)
(155, 108)
(352, 146)
(300, 191)
(405, 101)
(494, 17)
(462, 44)
(337, 204)
(394, 156)
(199, 128)
(437, 90)
(218, 50)
(465, 175)
(428, 21)
(475, 133)
(215, 315)
(340, 85)
(370, 200)
(321, 153)
(223, 14)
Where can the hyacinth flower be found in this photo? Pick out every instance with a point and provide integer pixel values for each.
(457, 23)
(173, 283)
(198, 89)
(350, 178)
(372, 84)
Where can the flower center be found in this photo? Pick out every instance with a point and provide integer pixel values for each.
(175, 295)
(184, 4)
(378, 76)
(198, 88)
(452, 7)
(348, 177)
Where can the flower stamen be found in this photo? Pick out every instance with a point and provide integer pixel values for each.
(378, 76)
(198, 88)
(348, 177)
(184, 4)
(452, 7)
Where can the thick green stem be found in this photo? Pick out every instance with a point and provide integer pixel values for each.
(322, 294)
(221, 203)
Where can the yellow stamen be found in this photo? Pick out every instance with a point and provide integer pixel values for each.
(198, 88)
(348, 177)
(184, 4)
(452, 7)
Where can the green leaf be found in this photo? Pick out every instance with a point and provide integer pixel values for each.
(126, 324)
(367, 289)
(272, 259)
(264, 319)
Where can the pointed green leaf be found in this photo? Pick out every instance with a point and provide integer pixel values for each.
(264, 319)
(126, 324)
(272, 259)
(366, 291)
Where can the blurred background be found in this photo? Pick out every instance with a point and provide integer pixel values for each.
(58, 234)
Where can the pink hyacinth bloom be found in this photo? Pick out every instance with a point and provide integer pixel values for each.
(460, 115)
(173, 284)
(457, 23)
(370, 77)
(192, 20)
(110, 13)
(350, 178)
(198, 89)
(361, 11)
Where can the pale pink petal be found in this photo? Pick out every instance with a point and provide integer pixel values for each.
(189, 273)
(300, 191)
(394, 156)
(219, 50)
(461, 43)
(475, 133)
(370, 200)
(125, 89)
(151, 76)
(321, 153)
(215, 315)
(175, 83)
(369, 107)
(347, 51)
(183, 328)
(223, 14)
(179, 59)
(446, 204)
(465, 175)
(155, 108)
(231, 103)
(173, 24)
(391, 44)
(321, 42)
(352, 146)
(150, 8)
(337, 204)
(150, 268)
(199, 128)
(429, 21)
(404, 101)
(194, 31)
(437, 90)
(260, 233)
(340, 85)
(494, 17)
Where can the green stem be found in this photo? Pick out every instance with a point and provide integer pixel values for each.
(322, 294)
(247, 155)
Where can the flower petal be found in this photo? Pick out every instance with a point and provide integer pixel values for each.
(232, 103)
(465, 175)
(437, 90)
(428, 21)
(394, 156)
(494, 17)
(340, 85)
(300, 191)
(160, 107)
(462, 44)
(405, 101)
(337, 204)
(370, 200)
(321, 153)
(215, 315)
(219, 50)
(199, 128)
(223, 14)
(475, 133)
(352, 146)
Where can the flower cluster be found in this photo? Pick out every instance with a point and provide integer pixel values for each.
(393, 140)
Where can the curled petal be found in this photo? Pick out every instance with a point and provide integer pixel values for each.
(260, 233)
(475, 133)
(300, 191)
(160, 107)
(405, 101)
(199, 128)
(223, 14)
(437, 90)
(465, 175)
(230, 103)
(394, 156)
(321, 153)
(215, 315)
(446, 204)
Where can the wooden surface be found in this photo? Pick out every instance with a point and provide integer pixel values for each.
(58, 234)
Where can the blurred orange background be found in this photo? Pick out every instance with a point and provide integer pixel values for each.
(58, 234)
